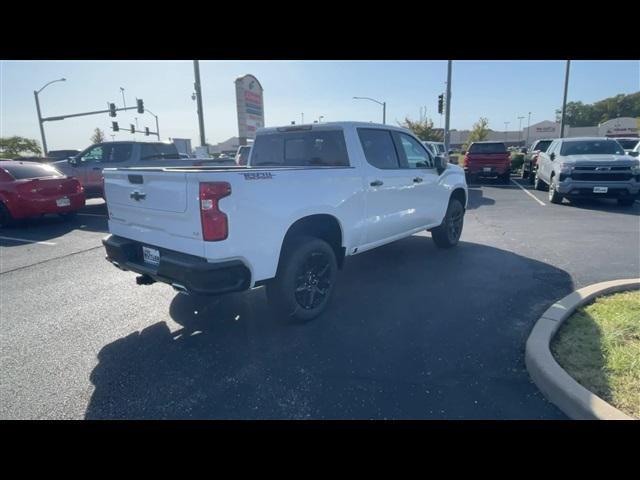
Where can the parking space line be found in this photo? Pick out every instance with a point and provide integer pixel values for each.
(529, 193)
(16, 239)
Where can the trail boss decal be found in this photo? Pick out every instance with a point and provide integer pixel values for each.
(258, 176)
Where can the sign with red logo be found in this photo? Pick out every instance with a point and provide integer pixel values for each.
(250, 106)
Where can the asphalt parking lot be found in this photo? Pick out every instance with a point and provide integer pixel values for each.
(412, 331)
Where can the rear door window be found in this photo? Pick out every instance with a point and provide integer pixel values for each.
(21, 171)
(378, 147)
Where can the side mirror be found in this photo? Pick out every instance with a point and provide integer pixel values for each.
(453, 160)
(441, 164)
(552, 157)
(451, 152)
(634, 154)
(72, 161)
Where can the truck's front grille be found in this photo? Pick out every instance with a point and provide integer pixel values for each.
(601, 177)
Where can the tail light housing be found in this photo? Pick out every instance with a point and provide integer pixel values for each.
(534, 161)
(465, 161)
(215, 225)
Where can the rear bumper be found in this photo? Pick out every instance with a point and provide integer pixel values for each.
(493, 170)
(185, 272)
(33, 207)
(585, 189)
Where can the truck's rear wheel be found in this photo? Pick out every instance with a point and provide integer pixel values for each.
(448, 233)
(305, 279)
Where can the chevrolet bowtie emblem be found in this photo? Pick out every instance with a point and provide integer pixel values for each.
(137, 196)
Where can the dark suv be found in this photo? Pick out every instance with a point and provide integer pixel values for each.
(487, 159)
(530, 164)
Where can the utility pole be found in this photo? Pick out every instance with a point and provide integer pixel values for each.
(564, 101)
(506, 125)
(196, 72)
(528, 127)
(448, 108)
(123, 100)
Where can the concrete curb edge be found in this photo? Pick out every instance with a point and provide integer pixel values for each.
(553, 381)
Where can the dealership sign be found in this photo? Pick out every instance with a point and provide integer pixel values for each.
(250, 106)
(619, 127)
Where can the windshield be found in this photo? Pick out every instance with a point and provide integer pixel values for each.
(591, 147)
(488, 148)
(628, 143)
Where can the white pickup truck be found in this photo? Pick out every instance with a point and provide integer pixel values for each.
(310, 196)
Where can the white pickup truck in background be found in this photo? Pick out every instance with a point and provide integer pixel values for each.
(310, 196)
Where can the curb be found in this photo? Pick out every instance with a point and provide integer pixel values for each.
(554, 382)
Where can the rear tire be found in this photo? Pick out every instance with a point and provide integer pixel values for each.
(506, 177)
(448, 233)
(626, 202)
(69, 215)
(305, 280)
(6, 219)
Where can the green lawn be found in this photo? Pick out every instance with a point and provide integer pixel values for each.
(599, 346)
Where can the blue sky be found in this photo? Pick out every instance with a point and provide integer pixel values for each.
(498, 90)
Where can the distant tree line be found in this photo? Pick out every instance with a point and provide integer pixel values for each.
(586, 115)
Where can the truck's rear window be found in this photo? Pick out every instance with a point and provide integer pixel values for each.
(301, 149)
(487, 148)
(20, 170)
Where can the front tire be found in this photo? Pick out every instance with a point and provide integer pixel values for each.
(305, 280)
(448, 233)
(5, 216)
(554, 195)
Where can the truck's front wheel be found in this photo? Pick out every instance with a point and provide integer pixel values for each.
(305, 279)
(448, 233)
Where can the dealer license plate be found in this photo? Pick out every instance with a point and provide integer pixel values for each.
(63, 202)
(151, 256)
(600, 189)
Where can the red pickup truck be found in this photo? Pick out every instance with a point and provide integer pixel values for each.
(487, 159)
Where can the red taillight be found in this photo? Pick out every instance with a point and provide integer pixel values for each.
(214, 222)
(466, 160)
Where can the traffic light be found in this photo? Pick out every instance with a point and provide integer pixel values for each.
(440, 103)
(140, 105)
(146, 131)
(115, 127)
(112, 109)
(133, 128)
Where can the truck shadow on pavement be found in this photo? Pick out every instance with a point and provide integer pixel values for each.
(477, 198)
(412, 332)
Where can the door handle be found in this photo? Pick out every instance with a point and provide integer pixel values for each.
(417, 180)
(376, 183)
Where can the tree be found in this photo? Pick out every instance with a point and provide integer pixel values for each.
(579, 114)
(11, 147)
(423, 129)
(98, 136)
(479, 132)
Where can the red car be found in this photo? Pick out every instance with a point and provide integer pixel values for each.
(30, 189)
(487, 159)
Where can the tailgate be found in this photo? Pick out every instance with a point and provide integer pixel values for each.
(490, 158)
(155, 207)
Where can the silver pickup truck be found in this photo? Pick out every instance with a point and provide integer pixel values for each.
(588, 167)
(87, 165)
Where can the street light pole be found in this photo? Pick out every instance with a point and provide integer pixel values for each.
(528, 127)
(196, 72)
(40, 122)
(157, 125)
(520, 129)
(506, 125)
(564, 101)
(384, 107)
